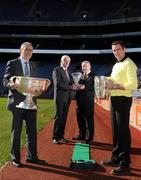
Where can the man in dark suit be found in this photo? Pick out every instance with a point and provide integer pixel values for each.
(85, 104)
(21, 67)
(62, 80)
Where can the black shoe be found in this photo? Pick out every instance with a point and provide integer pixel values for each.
(55, 141)
(64, 140)
(111, 163)
(36, 161)
(16, 163)
(78, 138)
(122, 170)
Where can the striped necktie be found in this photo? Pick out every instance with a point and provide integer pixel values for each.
(67, 74)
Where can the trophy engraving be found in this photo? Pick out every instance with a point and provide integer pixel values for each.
(30, 87)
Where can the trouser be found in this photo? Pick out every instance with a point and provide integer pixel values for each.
(85, 120)
(120, 114)
(60, 119)
(31, 133)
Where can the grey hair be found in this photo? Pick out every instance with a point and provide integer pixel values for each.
(65, 57)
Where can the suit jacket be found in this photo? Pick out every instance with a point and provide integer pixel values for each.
(86, 96)
(14, 68)
(62, 84)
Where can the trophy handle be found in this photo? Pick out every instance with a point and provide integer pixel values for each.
(13, 79)
(45, 84)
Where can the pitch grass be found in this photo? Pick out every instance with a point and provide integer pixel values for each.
(44, 115)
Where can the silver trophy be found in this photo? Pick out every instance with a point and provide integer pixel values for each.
(101, 90)
(30, 87)
(76, 77)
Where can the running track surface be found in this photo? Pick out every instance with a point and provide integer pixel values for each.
(59, 156)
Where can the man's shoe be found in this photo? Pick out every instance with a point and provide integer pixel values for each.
(16, 163)
(55, 141)
(111, 163)
(88, 141)
(122, 170)
(78, 138)
(36, 161)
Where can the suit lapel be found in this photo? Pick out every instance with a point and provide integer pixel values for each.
(31, 69)
(88, 75)
(19, 68)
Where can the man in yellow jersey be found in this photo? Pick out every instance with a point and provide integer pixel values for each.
(122, 82)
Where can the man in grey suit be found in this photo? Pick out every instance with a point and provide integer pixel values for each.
(63, 81)
(21, 67)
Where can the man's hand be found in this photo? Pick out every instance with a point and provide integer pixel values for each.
(119, 86)
(44, 86)
(109, 84)
(77, 87)
(81, 87)
(13, 85)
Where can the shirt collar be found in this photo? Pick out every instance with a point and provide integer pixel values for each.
(87, 73)
(23, 60)
(64, 68)
(122, 59)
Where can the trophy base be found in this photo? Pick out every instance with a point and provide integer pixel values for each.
(24, 105)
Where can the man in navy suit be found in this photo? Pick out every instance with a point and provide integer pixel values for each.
(85, 104)
(63, 81)
(16, 67)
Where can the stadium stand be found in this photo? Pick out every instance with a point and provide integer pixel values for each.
(68, 10)
(69, 25)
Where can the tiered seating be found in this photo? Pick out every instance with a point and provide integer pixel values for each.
(68, 10)
(15, 10)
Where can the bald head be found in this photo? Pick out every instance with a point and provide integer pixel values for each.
(86, 67)
(26, 44)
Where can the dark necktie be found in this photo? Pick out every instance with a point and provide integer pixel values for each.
(26, 70)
